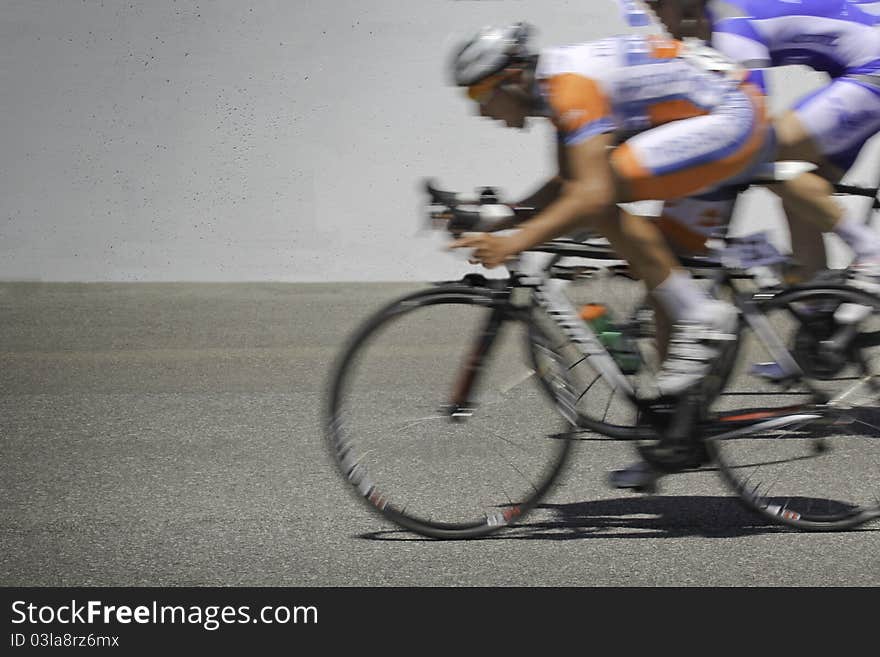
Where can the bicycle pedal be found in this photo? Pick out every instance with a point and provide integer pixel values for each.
(639, 477)
(668, 458)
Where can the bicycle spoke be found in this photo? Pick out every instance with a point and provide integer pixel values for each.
(608, 405)
(849, 391)
(517, 381)
(440, 475)
(513, 443)
(581, 396)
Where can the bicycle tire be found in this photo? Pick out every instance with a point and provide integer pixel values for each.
(407, 489)
(830, 494)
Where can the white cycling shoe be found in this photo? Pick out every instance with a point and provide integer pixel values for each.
(694, 346)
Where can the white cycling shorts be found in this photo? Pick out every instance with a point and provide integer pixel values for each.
(842, 117)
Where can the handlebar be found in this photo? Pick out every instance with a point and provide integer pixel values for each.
(456, 219)
(457, 213)
(439, 197)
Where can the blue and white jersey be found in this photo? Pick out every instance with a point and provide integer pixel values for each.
(834, 36)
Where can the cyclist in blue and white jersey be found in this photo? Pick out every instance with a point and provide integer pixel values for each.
(828, 127)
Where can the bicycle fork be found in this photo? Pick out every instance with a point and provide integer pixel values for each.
(461, 406)
(551, 299)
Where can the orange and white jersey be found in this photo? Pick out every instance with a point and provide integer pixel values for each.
(630, 84)
(689, 121)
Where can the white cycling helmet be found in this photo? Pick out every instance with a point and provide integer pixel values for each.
(489, 52)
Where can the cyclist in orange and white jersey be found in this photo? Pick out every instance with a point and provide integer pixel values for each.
(687, 128)
(637, 118)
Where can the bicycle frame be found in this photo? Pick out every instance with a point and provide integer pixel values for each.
(531, 283)
(534, 296)
(530, 286)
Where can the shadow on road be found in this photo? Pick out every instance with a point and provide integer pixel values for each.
(630, 518)
(650, 517)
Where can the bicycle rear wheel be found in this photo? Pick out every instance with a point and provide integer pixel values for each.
(405, 441)
(820, 473)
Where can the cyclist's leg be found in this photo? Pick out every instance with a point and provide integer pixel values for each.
(809, 256)
(650, 253)
(656, 250)
(828, 128)
(641, 244)
(807, 200)
(681, 159)
(675, 161)
(687, 225)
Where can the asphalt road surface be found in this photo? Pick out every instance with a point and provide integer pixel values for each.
(172, 435)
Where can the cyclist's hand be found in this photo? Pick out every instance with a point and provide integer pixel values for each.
(488, 250)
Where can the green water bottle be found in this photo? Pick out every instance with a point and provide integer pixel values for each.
(621, 347)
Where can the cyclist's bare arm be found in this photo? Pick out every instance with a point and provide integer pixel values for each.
(590, 179)
(587, 196)
(552, 189)
(538, 200)
(587, 190)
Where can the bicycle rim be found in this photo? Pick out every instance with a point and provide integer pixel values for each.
(817, 473)
(392, 436)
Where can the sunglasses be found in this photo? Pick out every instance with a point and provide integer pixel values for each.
(483, 90)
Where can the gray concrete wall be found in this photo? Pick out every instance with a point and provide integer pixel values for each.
(267, 140)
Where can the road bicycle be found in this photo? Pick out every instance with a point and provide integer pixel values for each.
(434, 419)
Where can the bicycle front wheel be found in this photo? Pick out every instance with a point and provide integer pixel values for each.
(821, 472)
(434, 418)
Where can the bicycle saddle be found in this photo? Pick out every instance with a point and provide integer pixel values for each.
(781, 171)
